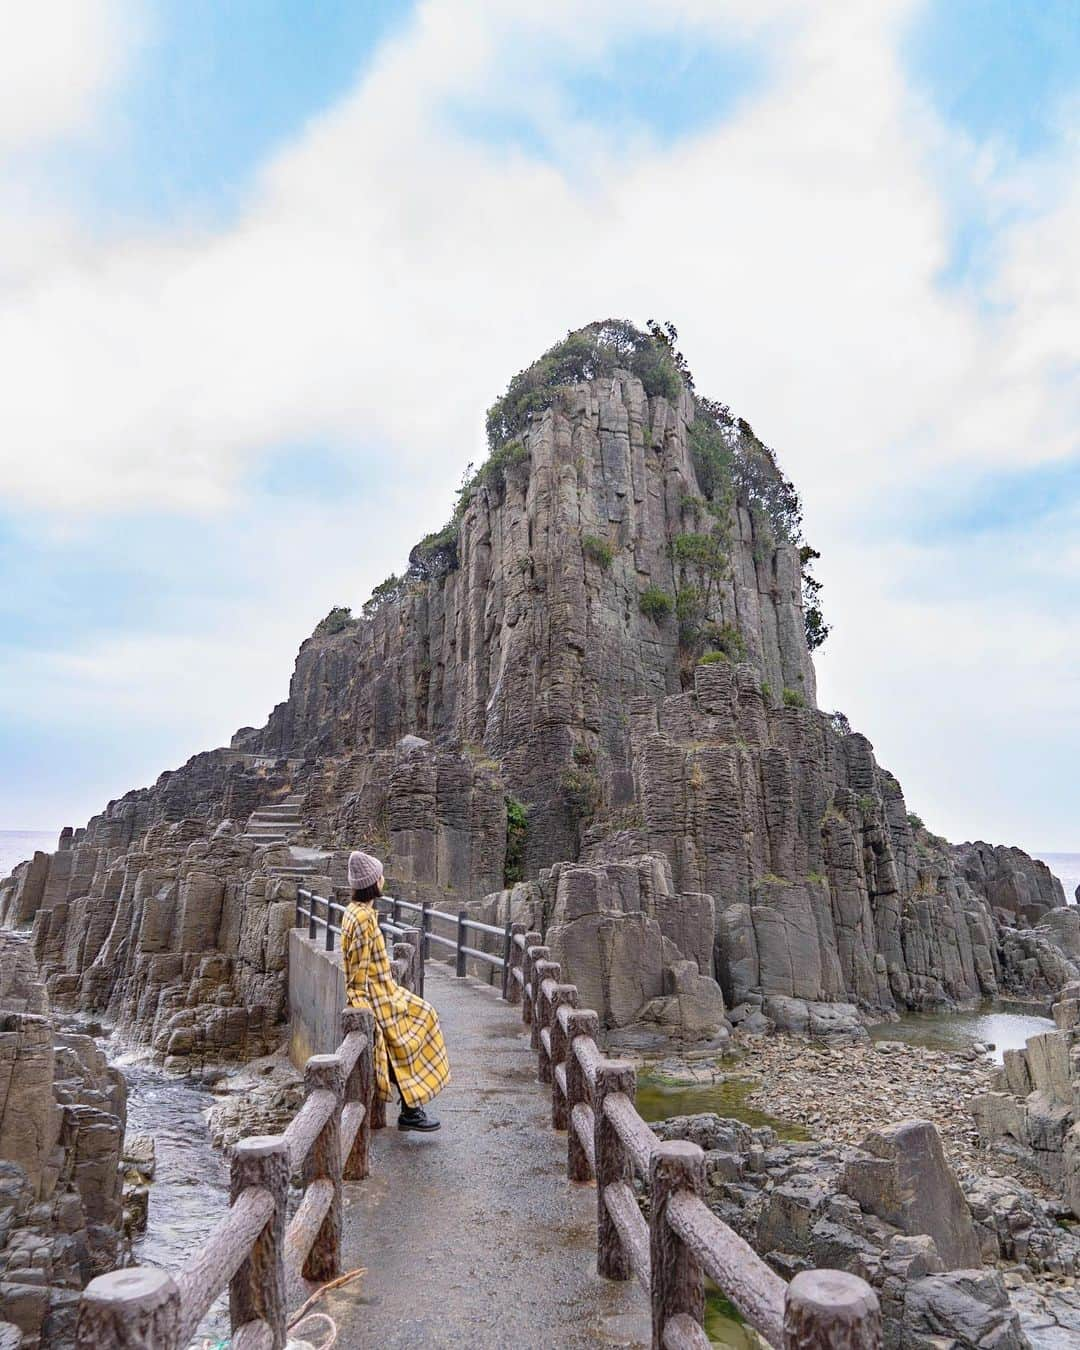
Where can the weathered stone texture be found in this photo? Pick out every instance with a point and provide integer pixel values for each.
(735, 826)
(62, 1112)
(1022, 888)
(1034, 1112)
(877, 1212)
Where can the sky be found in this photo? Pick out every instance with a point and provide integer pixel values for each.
(264, 265)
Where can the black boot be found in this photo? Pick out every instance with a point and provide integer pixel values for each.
(416, 1118)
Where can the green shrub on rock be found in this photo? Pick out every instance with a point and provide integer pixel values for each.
(794, 699)
(339, 618)
(517, 825)
(654, 603)
(599, 550)
(584, 354)
(581, 792)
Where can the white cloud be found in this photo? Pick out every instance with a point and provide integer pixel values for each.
(57, 59)
(388, 275)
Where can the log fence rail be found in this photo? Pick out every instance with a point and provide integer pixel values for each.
(253, 1251)
(258, 1256)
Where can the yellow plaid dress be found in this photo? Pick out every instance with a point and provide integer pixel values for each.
(405, 1025)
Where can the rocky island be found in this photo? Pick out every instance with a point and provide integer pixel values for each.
(588, 704)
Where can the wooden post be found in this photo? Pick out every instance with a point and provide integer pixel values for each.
(535, 955)
(463, 914)
(613, 1163)
(531, 940)
(678, 1282)
(565, 995)
(133, 1309)
(323, 1163)
(580, 1023)
(827, 1308)
(543, 970)
(517, 955)
(360, 1087)
(257, 1289)
(414, 937)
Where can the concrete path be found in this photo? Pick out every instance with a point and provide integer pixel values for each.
(473, 1236)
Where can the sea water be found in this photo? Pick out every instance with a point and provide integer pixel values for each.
(18, 845)
(1066, 867)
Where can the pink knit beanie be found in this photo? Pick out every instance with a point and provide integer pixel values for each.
(364, 870)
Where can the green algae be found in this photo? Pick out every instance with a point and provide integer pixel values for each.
(724, 1326)
(659, 1097)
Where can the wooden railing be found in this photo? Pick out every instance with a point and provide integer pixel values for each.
(253, 1251)
(257, 1255)
(683, 1241)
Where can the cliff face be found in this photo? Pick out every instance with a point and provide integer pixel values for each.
(533, 645)
(612, 632)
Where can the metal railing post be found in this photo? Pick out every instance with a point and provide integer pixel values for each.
(329, 929)
(425, 927)
(508, 943)
(463, 914)
(311, 917)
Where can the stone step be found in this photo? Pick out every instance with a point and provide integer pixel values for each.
(282, 823)
(279, 809)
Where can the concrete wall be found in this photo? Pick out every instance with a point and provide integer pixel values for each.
(316, 997)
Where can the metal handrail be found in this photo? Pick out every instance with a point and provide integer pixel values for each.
(310, 915)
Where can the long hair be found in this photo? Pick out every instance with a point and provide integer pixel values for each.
(366, 894)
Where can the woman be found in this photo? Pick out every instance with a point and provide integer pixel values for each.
(409, 1046)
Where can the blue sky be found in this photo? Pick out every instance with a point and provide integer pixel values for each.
(265, 264)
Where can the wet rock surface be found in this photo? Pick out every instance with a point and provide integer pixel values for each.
(261, 1098)
(62, 1112)
(1030, 1110)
